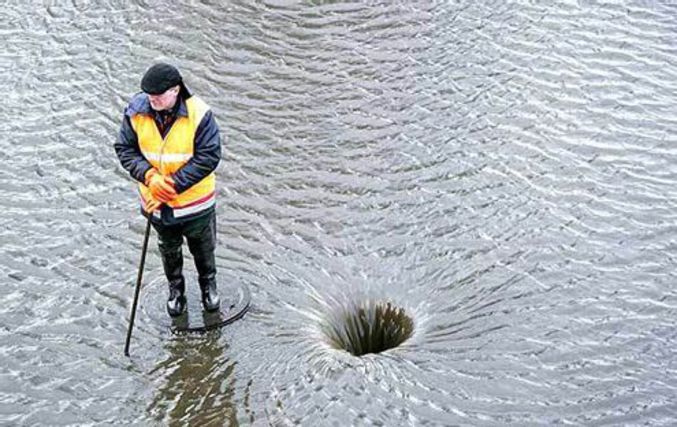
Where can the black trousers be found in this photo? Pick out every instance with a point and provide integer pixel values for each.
(200, 233)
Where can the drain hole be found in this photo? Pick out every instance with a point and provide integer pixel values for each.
(370, 327)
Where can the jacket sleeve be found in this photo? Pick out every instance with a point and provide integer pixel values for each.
(127, 149)
(206, 155)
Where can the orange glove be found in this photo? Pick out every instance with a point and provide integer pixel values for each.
(149, 173)
(161, 188)
(170, 181)
(152, 205)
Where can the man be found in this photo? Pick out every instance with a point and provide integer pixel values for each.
(169, 142)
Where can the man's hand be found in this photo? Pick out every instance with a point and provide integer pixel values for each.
(160, 186)
(152, 205)
(170, 181)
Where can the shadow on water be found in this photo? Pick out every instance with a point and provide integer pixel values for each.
(197, 383)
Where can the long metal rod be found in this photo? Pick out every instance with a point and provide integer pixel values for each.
(139, 278)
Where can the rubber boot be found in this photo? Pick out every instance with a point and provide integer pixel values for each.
(210, 296)
(205, 264)
(176, 303)
(173, 266)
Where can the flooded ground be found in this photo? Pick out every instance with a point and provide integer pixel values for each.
(506, 173)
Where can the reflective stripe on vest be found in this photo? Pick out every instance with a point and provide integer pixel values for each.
(169, 154)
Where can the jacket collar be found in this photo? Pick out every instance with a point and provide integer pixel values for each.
(141, 105)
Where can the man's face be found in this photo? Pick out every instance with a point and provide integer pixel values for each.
(166, 100)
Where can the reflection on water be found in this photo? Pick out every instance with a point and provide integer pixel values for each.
(505, 172)
(195, 383)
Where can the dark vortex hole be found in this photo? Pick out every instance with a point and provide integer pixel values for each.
(370, 327)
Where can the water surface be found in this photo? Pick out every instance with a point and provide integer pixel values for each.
(505, 172)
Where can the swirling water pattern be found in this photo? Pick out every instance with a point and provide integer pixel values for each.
(502, 170)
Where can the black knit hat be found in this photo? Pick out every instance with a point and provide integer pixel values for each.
(159, 78)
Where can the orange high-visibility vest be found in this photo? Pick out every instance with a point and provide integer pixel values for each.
(169, 154)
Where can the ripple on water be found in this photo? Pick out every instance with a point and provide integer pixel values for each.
(501, 172)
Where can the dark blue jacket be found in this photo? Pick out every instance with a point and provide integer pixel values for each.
(206, 151)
